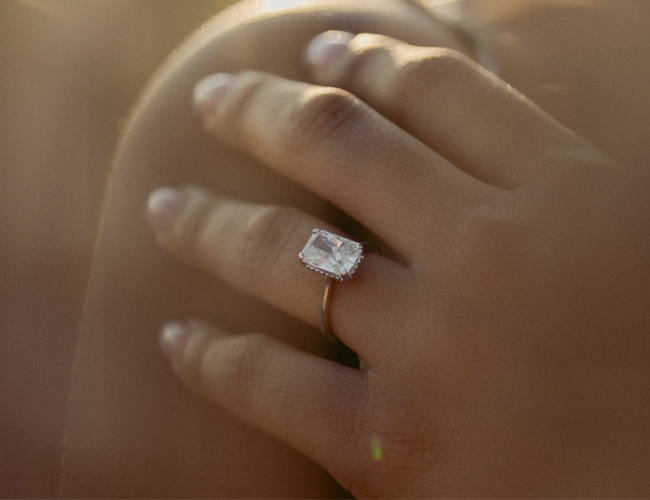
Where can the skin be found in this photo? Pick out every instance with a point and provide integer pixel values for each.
(151, 438)
(507, 357)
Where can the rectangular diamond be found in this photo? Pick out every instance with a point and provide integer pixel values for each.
(332, 255)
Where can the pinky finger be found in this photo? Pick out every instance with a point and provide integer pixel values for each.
(308, 402)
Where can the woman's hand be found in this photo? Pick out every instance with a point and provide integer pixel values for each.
(504, 352)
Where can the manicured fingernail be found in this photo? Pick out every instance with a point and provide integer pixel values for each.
(173, 339)
(209, 92)
(327, 47)
(164, 207)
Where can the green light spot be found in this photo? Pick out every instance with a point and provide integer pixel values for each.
(375, 448)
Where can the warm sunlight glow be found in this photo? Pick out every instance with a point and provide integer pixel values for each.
(281, 4)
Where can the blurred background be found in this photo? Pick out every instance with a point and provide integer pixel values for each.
(70, 70)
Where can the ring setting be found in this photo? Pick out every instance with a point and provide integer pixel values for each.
(335, 257)
(332, 255)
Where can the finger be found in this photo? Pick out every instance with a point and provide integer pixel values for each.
(334, 144)
(462, 111)
(308, 402)
(255, 248)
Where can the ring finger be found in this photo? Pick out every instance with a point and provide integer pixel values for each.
(255, 248)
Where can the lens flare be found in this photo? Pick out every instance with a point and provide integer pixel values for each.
(375, 448)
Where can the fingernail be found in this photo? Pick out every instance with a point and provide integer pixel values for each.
(327, 47)
(209, 92)
(172, 340)
(164, 207)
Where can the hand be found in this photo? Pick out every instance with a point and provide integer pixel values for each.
(504, 353)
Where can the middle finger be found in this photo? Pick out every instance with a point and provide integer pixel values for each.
(329, 141)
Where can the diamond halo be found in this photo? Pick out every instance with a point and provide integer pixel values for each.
(332, 255)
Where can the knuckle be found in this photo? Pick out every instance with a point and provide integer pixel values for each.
(321, 115)
(195, 358)
(245, 366)
(262, 243)
(249, 83)
(435, 71)
(193, 225)
(237, 103)
(372, 53)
